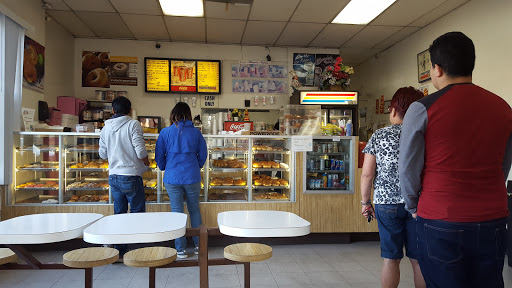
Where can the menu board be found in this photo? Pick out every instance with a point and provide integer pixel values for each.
(157, 74)
(183, 77)
(208, 76)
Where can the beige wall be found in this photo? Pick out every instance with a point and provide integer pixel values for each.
(486, 22)
(59, 55)
(160, 104)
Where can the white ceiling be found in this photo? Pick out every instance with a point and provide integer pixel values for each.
(282, 23)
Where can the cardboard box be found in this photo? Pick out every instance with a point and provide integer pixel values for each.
(69, 120)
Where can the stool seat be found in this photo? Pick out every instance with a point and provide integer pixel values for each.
(248, 252)
(90, 257)
(7, 256)
(150, 257)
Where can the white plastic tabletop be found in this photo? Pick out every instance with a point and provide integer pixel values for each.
(262, 224)
(45, 228)
(137, 228)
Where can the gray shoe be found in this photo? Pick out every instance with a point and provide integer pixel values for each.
(196, 251)
(182, 254)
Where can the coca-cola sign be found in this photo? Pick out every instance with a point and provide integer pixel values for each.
(236, 126)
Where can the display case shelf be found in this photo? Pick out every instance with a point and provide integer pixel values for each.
(216, 169)
(86, 169)
(269, 169)
(327, 171)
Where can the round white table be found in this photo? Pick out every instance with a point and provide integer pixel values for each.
(262, 223)
(137, 228)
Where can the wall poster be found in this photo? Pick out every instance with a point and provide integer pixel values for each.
(323, 61)
(95, 69)
(33, 65)
(423, 66)
(123, 70)
(304, 66)
(251, 74)
(183, 76)
(208, 76)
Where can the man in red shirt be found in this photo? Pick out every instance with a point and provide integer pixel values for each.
(455, 154)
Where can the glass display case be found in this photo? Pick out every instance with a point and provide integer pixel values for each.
(249, 168)
(329, 168)
(65, 168)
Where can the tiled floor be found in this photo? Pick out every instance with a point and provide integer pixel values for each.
(354, 265)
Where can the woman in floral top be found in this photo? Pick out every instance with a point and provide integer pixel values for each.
(396, 226)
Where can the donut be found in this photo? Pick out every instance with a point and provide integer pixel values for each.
(29, 71)
(90, 62)
(119, 70)
(30, 55)
(104, 58)
(257, 182)
(97, 78)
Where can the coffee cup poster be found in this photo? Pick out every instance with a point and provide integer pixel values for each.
(95, 69)
(33, 65)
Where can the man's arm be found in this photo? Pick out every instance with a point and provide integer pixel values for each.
(412, 154)
(103, 146)
(368, 173)
(138, 143)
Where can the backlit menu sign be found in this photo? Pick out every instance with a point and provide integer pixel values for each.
(157, 74)
(183, 77)
(208, 76)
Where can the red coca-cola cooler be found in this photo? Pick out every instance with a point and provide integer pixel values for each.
(238, 125)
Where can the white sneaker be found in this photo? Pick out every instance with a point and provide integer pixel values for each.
(196, 251)
(182, 254)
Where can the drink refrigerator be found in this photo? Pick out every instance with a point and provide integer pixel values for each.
(336, 106)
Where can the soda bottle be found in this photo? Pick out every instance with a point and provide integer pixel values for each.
(329, 180)
(325, 179)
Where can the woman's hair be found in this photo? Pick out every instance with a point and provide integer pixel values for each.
(179, 112)
(403, 98)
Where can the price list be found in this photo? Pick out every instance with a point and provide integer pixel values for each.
(208, 76)
(157, 75)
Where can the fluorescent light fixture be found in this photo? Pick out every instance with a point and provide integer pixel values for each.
(189, 8)
(361, 11)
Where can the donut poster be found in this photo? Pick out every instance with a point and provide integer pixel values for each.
(95, 69)
(33, 65)
(123, 70)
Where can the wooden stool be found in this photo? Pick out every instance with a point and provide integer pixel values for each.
(151, 257)
(247, 253)
(7, 256)
(87, 258)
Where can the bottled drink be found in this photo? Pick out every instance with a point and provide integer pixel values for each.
(346, 181)
(324, 178)
(335, 181)
(327, 164)
(329, 180)
(333, 164)
(322, 164)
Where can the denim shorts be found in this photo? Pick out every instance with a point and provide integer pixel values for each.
(397, 229)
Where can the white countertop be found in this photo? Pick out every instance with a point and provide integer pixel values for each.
(137, 228)
(45, 228)
(262, 224)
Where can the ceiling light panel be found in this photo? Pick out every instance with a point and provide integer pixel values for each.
(318, 11)
(362, 11)
(188, 8)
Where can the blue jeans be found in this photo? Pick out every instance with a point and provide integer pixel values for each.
(465, 255)
(124, 190)
(176, 197)
(397, 229)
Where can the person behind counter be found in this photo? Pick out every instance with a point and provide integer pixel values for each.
(396, 226)
(181, 149)
(122, 143)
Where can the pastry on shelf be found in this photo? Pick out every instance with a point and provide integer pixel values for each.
(104, 198)
(266, 164)
(152, 163)
(256, 164)
(151, 183)
(239, 182)
(151, 197)
(283, 182)
(227, 181)
(270, 196)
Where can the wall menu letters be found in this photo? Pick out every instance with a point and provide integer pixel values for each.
(157, 74)
(208, 76)
(182, 75)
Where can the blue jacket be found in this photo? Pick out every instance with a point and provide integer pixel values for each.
(183, 150)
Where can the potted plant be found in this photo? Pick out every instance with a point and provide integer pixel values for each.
(235, 114)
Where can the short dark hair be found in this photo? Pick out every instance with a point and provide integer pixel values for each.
(121, 105)
(180, 111)
(403, 98)
(455, 53)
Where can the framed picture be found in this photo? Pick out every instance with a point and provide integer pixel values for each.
(423, 66)
(304, 67)
(387, 105)
(150, 124)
